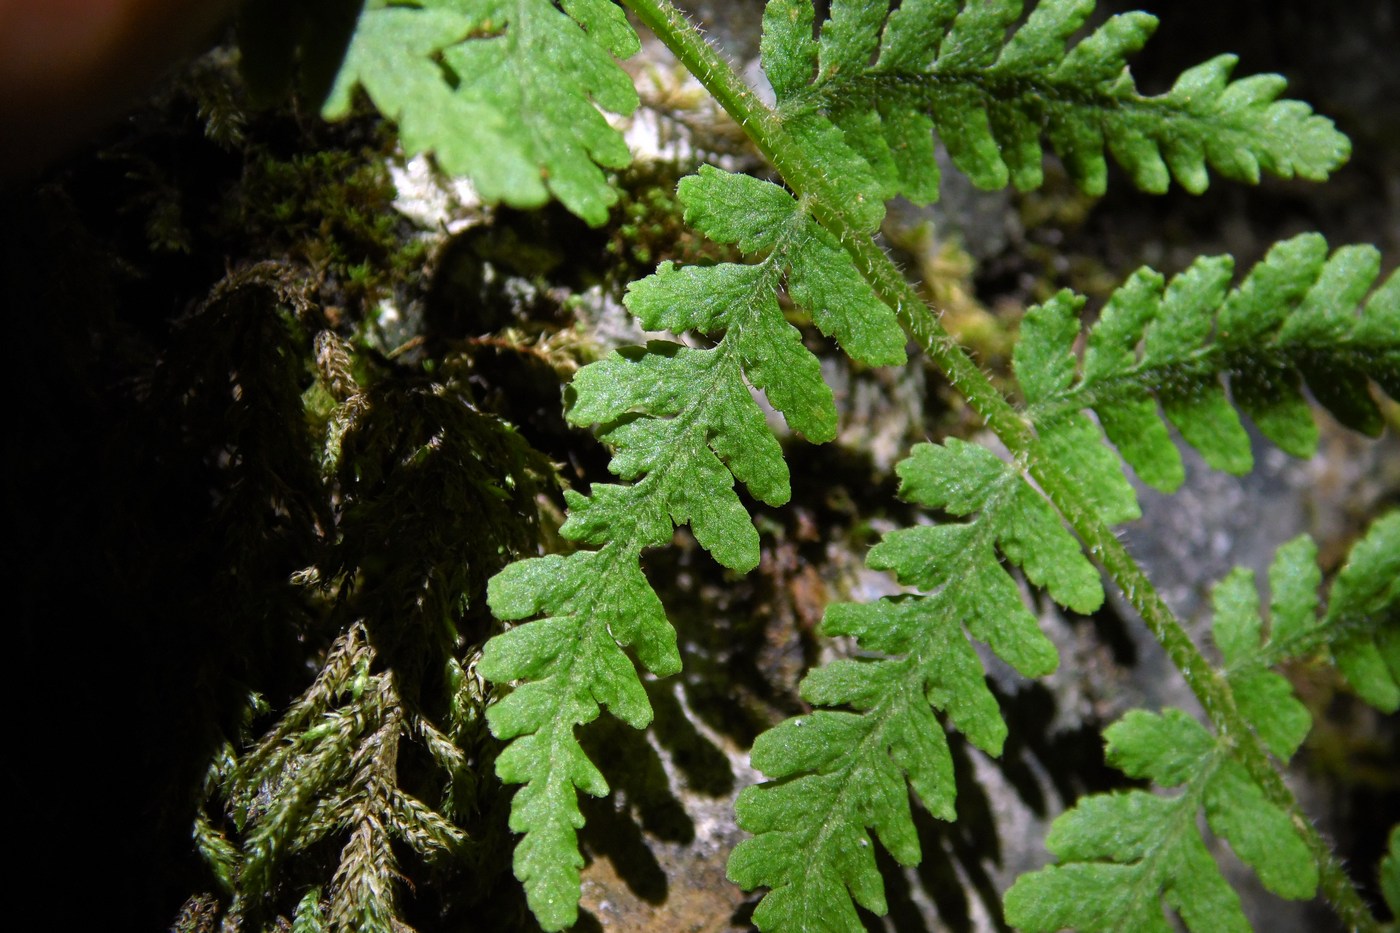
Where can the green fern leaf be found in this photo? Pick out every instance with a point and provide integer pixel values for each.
(1044, 366)
(890, 79)
(683, 392)
(789, 57)
(1264, 697)
(840, 774)
(504, 93)
(1121, 855)
(1292, 319)
(1121, 848)
(960, 478)
(787, 46)
(594, 603)
(683, 425)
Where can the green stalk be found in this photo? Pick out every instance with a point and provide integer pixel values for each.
(765, 129)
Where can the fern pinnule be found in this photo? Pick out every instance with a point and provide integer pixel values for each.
(1363, 616)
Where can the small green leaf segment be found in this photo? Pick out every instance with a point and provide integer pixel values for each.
(1364, 612)
(1121, 855)
(857, 110)
(521, 76)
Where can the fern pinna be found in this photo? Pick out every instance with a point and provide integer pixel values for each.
(861, 101)
(841, 772)
(684, 427)
(1293, 319)
(891, 80)
(1122, 854)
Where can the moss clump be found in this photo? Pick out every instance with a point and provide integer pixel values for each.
(332, 210)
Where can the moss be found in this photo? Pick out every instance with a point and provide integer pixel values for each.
(333, 210)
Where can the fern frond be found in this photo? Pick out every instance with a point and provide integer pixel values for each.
(890, 80)
(839, 774)
(504, 93)
(684, 426)
(1121, 855)
(1293, 319)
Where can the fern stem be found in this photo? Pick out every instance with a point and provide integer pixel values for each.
(807, 180)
